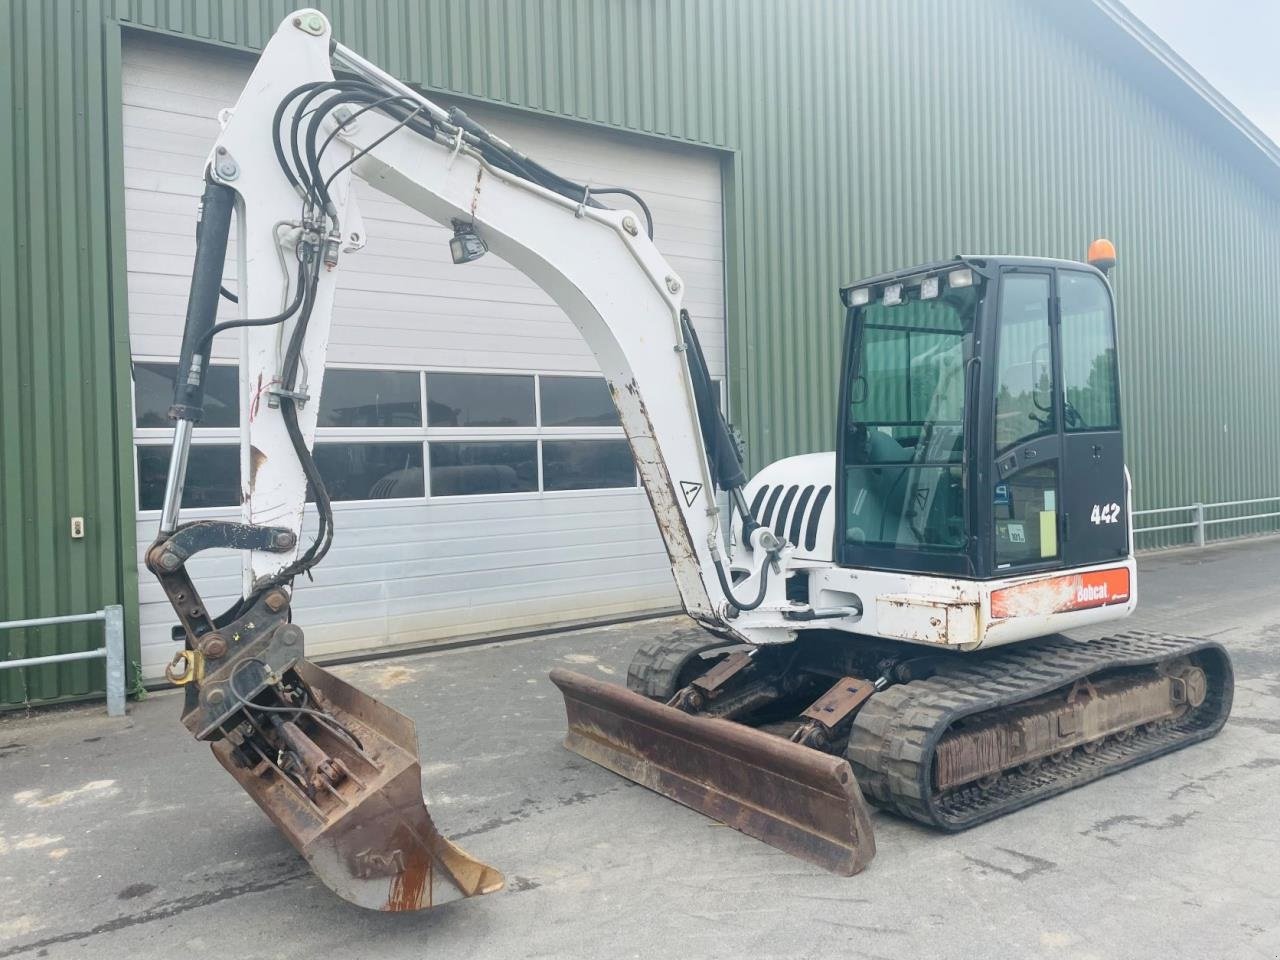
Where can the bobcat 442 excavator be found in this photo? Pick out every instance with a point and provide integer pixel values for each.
(881, 627)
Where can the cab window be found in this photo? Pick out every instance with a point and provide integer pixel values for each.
(1024, 361)
(1025, 504)
(904, 446)
(1090, 385)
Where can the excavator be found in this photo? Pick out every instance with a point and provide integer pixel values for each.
(877, 625)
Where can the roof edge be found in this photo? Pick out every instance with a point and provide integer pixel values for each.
(1141, 55)
(1143, 34)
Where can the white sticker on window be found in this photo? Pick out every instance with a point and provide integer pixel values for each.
(1051, 500)
(1016, 533)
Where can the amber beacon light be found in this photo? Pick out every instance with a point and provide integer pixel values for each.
(1102, 254)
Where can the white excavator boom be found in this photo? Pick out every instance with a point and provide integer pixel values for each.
(598, 264)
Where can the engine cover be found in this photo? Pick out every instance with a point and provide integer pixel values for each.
(795, 498)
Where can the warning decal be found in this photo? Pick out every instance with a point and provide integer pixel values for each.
(690, 491)
(1077, 591)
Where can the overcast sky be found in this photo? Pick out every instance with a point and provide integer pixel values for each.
(1234, 44)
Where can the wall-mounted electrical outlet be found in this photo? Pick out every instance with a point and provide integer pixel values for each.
(77, 528)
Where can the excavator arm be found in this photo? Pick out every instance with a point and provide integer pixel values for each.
(335, 769)
(598, 264)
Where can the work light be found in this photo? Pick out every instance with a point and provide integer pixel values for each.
(465, 245)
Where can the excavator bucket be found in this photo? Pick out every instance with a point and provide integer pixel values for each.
(370, 838)
(794, 798)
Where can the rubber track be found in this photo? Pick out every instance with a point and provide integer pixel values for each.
(895, 735)
(655, 669)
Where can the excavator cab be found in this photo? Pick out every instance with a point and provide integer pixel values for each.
(981, 434)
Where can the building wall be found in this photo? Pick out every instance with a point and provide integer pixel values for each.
(64, 354)
(863, 136)
(875, 134)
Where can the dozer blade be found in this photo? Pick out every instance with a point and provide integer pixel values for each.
(370, 839)
(794, 798)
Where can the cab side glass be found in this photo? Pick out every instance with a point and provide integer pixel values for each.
(1025, 504)
(1024, 361)
(1090, 386)
(1026, 515)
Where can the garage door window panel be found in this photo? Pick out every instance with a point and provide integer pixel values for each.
(371, 471)
(383, 399)
(576, 402)
(153, 394)
(213, 476)
(480, 400)
(469, 467)
(587, 464)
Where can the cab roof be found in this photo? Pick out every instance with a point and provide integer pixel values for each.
(982, 263)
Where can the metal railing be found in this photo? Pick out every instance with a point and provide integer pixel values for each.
(1199, 522)
(112, 649)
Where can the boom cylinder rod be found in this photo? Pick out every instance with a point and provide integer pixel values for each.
(346, 58)
(177, 477)
(217, 206)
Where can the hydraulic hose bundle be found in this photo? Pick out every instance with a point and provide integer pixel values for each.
(299, 150)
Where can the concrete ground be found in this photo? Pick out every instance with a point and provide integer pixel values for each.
(125, 839)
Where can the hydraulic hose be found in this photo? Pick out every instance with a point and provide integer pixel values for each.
(299, 159)
(728, 588)
(207, 337)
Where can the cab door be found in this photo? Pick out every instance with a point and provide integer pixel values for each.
(1025, 492)
(1094, 519)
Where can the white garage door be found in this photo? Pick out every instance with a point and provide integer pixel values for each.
(484, 485)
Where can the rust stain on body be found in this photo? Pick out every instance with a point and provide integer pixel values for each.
(670, 519)
(256, 459)
(411, 887)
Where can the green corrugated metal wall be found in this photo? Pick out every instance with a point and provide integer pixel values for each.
(872, 134)
(860, 136)
(64, 415)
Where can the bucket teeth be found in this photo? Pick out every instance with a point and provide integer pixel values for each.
(794, 798)
(368, 835)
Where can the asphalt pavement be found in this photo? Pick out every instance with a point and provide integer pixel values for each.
(123, 838)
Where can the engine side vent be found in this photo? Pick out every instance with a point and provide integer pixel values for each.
(769, 505)
(815, 517)
(780, 522)
(797, 516)
(753, 512)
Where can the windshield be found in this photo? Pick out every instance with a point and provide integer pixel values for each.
(904, 445)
